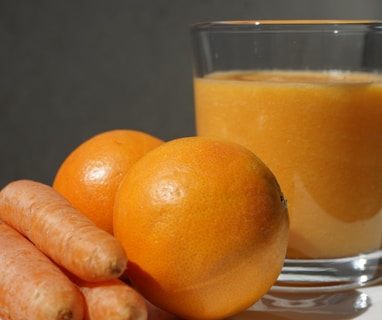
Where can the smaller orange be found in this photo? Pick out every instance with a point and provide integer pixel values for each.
(205, 226)
(90, 176)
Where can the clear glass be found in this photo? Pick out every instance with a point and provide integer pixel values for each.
(306, 97)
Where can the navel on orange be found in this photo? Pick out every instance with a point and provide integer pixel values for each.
(205, 227)
(90, 175)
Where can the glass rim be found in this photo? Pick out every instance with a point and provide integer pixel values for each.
(288, 24)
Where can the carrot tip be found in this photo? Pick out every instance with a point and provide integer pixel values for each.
(65, 315)
(117, 268)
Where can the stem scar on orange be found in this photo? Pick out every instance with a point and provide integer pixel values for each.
(89, 177)
(205, 226)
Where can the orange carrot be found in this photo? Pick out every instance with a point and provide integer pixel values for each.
(31, 285)
(60, 231)
(112, 300)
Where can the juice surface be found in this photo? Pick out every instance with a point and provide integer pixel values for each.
(321, 135)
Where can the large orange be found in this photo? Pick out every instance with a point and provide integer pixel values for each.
(205, 227)
(90, 175)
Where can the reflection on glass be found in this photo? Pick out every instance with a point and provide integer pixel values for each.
(340, 305)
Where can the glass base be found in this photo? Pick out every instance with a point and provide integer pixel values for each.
(335, 305)
(330, 275)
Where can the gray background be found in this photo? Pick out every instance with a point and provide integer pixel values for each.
(71, 69)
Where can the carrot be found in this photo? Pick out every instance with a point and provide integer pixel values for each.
(59, 230)
(153, 312)
(31, 285)
(112, 300)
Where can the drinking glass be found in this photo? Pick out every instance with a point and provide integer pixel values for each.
(306, 97)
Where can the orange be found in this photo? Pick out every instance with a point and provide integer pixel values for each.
(90, 175)
(205, 227)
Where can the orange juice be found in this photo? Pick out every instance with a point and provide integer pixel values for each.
(321, 134)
